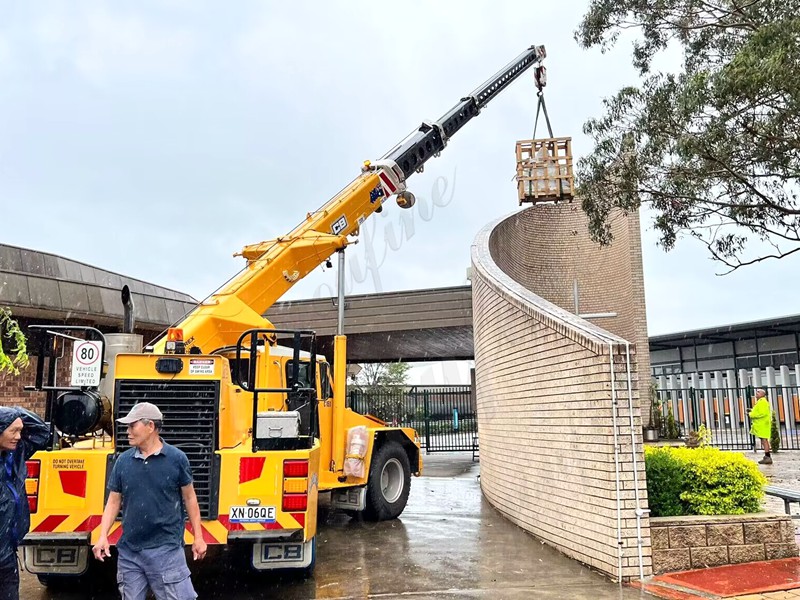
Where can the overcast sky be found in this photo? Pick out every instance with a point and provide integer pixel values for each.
(157, 138)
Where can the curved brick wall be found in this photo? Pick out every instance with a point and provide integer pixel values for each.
(546, 396)
(546, 247)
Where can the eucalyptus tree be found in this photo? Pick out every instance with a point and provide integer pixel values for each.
(713, 146)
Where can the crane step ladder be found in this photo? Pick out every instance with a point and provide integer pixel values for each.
(544, 170)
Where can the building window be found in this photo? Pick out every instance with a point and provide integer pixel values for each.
(776, 360)
(665, 369)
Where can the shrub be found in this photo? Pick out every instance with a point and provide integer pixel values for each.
(699, 438)
(775, 435)
(673, 431)
(10, 330)
(665, 480)
(701, 481)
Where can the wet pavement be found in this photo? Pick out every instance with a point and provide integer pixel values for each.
(784, 471)
(449, 543)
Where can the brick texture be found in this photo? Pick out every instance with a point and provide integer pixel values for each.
(547, 248)
(718, 540)
(545, 390)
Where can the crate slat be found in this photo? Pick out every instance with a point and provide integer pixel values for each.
(544, 170)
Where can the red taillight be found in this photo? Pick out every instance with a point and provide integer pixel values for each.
(33, 468)
(295, 468)
(295, 502)
(32, 484)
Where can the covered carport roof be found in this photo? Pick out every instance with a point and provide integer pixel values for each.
(728, 333)
(415, 325)
(46, 286)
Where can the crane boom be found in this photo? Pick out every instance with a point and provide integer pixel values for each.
(274, 266)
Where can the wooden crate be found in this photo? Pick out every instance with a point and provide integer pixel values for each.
(544, 170)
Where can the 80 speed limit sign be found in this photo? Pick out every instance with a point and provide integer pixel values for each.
(87, 363)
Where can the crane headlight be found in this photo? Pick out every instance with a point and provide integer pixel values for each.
(406, 199)
(175, 343)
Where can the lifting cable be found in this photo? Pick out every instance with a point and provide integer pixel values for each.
(540, 76)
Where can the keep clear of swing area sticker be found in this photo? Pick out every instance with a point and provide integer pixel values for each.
(87, 363)
(201, 366)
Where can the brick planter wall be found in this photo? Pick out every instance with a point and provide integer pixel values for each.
(696, 542)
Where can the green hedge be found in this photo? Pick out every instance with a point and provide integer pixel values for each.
(701, 481)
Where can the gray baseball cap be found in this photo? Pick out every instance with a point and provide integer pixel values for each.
(142, 410)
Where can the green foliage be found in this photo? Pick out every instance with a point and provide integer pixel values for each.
(721, 483)
(389, 405)
(713, 147)
(381, 391)
(665, 481)
(382, 375)
(699, 438)
(18, 356)
(775, 435)
(701, 481)
(442, 427)
(673, 430)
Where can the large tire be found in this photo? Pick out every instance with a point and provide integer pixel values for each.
(389, 483)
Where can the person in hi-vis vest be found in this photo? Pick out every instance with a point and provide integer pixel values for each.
(761, 424)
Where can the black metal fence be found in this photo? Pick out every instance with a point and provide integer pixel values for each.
(444, 416)
(724, 412)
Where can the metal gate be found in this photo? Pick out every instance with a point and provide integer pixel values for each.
(724, 413)
(444, 416)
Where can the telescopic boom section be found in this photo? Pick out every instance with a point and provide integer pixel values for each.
(430, 139)
(273, 267)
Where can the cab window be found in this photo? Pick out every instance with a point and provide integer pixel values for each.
(303, 378)
(325, 381)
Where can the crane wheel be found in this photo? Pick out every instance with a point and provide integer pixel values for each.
(389, 483)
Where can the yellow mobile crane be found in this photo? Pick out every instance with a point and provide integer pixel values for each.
(265, 426)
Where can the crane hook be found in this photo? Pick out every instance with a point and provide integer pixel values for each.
(540, 76)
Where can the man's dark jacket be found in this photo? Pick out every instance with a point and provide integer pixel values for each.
(15, 517)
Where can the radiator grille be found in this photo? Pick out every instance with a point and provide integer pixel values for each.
(190, 411)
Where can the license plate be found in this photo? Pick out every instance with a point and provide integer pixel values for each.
(65, 560)
(252, 514)
(287, 555)
(350, 499)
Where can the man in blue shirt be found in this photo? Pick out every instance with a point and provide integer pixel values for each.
(21, 434)
(154, 481)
